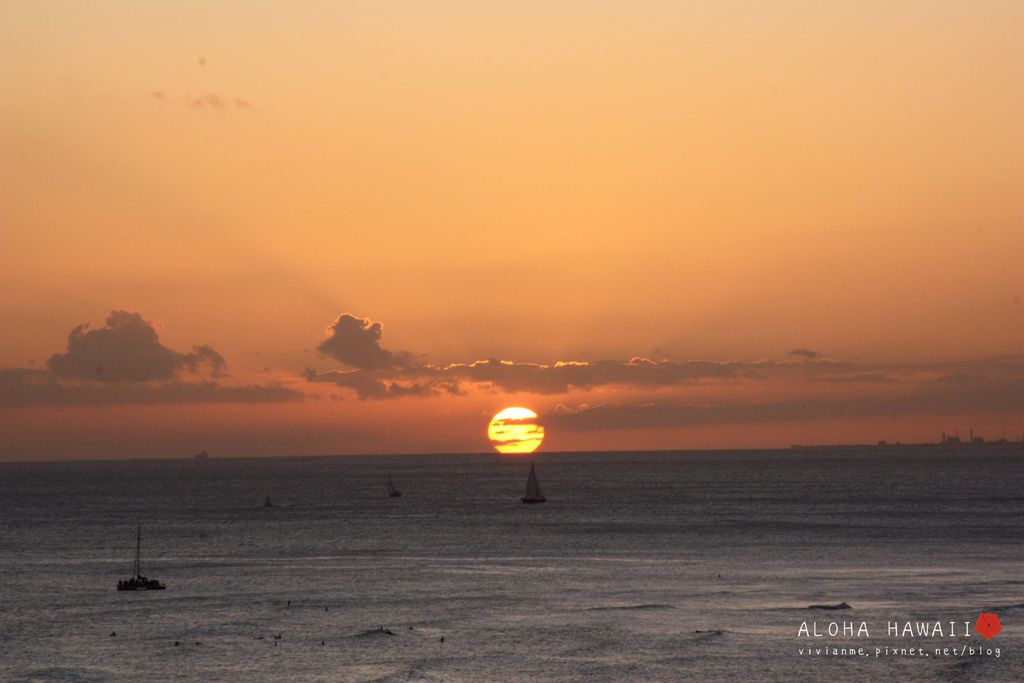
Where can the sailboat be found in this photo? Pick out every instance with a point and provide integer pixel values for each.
(533, 492)
(392, 491)
(138, 582)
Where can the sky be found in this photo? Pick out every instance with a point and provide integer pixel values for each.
(262, 228)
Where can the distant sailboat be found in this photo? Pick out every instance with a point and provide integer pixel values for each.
(138, 582)
(267, 503)
(533, 492)
(392, 491)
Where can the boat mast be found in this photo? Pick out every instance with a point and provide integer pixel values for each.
(138, 552)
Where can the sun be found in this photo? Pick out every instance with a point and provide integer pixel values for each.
(515, 430)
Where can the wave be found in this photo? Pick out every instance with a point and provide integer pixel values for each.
(709, 633)
(63, 673)
(380, 632)
(841, 605)
(964, 670)
(652, 605)
(407, 676)
(1007, 608)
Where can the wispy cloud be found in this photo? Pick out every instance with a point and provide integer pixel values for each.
(211, 101)
(219, 102)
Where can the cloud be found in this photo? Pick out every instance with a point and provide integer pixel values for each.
(211, 100)
(219, 102)
(995, 390)
(124, 362)
(127, 349)
(637, 373)
(664, 393)
(355, 342)
(214, 101)
(560, 377)
(369, 384)
(23, 387)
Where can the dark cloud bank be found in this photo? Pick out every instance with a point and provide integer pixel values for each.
(993, 385)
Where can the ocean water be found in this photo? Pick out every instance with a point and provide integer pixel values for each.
(640, 567)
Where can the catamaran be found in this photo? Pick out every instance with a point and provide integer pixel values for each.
(138, 582)
(392, 491)
(533, 492)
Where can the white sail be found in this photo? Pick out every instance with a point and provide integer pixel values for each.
(532, 487)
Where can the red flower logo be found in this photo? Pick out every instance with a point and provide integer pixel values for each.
(988, 625)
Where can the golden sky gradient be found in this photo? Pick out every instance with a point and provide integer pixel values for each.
(535, 182)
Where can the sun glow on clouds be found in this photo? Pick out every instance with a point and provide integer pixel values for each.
(515, 430)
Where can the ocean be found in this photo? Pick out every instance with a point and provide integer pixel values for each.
(668, 566)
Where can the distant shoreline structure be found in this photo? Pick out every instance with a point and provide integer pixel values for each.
(947, 441)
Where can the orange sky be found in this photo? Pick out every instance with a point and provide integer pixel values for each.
(695, 181)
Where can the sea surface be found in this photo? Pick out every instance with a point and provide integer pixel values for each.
(640, 567)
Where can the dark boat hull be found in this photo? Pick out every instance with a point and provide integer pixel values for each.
(395, 494)
(140, 584)
(528, 500)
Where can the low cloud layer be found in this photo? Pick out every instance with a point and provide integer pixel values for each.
(637, 373)
(643, 375)
(24, 388)
(804, 385)
(378, 373)
(376, 386)
(566, 376)
(947, 395)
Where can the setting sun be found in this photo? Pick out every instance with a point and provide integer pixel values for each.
(515, 430)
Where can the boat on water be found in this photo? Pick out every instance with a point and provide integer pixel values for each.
(392, 491)
(533, 492)
(267, 503)
(201, 455)
(138, 582)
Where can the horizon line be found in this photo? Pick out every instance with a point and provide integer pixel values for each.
(770, 449)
